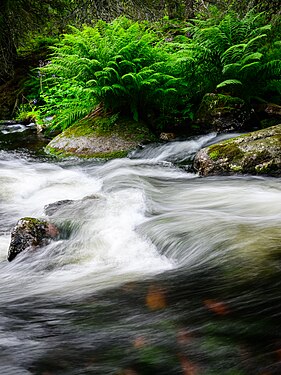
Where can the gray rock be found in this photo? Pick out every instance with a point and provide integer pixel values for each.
(256, 153)
(30, 233)
(224, 113)
(99, 137)
(52, 208)
(86, 146)
(273, 110)
(64, 207)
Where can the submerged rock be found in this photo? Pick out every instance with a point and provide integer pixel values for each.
(224, 113)
(51, 208)
(257, 153)
(30, 233)
(68, 214)
(63, 208)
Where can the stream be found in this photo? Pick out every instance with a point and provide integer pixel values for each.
(161, 271)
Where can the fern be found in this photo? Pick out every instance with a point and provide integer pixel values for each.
(228, 83)
(125, 67)
(231, 54)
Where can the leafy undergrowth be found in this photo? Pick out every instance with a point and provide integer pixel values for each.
(125, 67)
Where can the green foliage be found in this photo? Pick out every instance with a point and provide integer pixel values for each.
(236, 57)
(128, 68)
(19, 20)
(28, 114)
(119, 64)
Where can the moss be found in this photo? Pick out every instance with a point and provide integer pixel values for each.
(109, 155)
(31, 221)
(214, 103)
(214, 155)
(97, 155)
(266, 123)
(80, 128)
(107, 125)
(109, 137)
(226, 150)
(254, 158)
(263, 168)
(236, 168)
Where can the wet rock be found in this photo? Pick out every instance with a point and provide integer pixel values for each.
(30, 233)
(67, 215)
(99, 138)
(273, 110)
(52, 208)
(256, 153)
(64, 207)
(167, 136)
(224, 113)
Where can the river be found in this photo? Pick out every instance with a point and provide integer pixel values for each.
(160, 271)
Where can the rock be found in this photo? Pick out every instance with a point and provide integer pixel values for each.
(67, 215)
(30, 233)
(52, 208)
(256, 153)
(167, 136)
(224, 113)
(60, 208)
(269, 114)
(99, 138)
(273, 110)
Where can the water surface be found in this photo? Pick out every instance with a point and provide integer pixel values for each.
(161, 271)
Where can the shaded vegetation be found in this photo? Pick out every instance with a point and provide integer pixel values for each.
(157, 72)
(122, 67)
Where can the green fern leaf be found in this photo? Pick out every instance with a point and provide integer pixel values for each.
(251, 67)
(231, 69)
(250, 57)
(229, 82)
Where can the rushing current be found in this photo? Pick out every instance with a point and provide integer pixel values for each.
(159, 271)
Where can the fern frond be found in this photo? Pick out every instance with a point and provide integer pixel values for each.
(229, 82)
(127, 64)
(272, 69)
(129, 78)
(274, 85)
(255, 42)
(233, 53)
(250, 57)
(231, 69)
(250, 68)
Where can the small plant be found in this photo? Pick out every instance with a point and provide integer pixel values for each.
(28, 114)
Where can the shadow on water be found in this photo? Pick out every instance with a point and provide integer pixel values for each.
(179, 322)
(22, 138)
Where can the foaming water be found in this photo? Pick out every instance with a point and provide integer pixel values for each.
(103, 249)
(159, 273)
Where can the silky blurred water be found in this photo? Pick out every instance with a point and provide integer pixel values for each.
(162, 272)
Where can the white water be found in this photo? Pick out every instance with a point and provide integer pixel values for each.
(131, 219)
(147, 216)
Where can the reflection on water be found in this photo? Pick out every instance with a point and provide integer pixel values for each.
(162, 272)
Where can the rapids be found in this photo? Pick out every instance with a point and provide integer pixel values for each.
(163, 272)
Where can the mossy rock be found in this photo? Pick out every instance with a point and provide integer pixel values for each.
(223, 113)
(30, 233)
(100, 137)
(256, 153)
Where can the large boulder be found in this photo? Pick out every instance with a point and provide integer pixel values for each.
(257, 153)
(224, 113)
(100, 138)
(30, 233)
